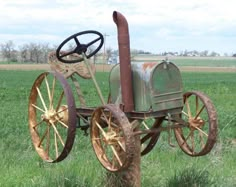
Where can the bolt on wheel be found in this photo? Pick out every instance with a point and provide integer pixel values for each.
(52, 117)
(111, 136)
(199, 137)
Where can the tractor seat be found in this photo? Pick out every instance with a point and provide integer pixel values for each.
(67, 69)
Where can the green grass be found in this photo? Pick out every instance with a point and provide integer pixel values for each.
(194, 61)
(205, 62)
(164, 166)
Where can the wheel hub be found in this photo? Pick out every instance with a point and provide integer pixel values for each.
(111, 138)
(53, 116)
(49, 116)
(196, 123)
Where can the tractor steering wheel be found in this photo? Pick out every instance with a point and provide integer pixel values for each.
(78, 47)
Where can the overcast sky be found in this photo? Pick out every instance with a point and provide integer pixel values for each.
(154, 25)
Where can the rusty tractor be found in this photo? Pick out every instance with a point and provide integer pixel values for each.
(145, 99)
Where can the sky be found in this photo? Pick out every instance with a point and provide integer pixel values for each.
(154, 25)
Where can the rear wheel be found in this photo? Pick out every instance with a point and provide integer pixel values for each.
(52, 117)
(149, 140)
(199, 137)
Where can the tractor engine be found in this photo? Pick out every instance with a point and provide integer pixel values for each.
(156, 86)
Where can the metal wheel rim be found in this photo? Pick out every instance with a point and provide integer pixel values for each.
(102, 137)
(151, 138)
(35, 123)
(207, 138)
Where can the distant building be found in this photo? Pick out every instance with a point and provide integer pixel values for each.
(114, 59)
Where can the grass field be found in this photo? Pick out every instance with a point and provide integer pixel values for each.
(164, 166)
(192, 61)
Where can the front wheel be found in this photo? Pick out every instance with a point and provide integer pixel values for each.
(199, 136)
(112, 138)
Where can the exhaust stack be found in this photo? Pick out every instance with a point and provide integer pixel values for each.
(125, 65)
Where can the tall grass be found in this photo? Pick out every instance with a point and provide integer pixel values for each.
(164, 166)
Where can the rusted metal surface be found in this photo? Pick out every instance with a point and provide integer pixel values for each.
(199, 137)
(166, 87)
(52, 119)
(156, 86)
(70, 69)
(111, 130)
(124, 54)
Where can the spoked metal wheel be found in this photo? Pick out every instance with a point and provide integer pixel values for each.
(199, 137)
(52, 117)
(148, 141)
(111, 136)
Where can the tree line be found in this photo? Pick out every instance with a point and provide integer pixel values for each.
(38, 52)
(26, 53)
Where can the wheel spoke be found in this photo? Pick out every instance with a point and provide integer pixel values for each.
(113, 162)
(116, 155)
(201, 131)
(199, 112)
(101, 129)
(38, 124)
(57, 133)
(41, 98)
(48, 140)
(103, 155)
(53, 89)
(56, 146)
(122, 146)
(201, 139)
(196, 104)
(58, 112)
(62, 123)
(145, 125)
(59, 102)
(109, 122)
(49, 93)
(105, 117)
(44, 135)
(40, 109)
(188, 108)
(112, 123)
(192, 141)
(185, 140)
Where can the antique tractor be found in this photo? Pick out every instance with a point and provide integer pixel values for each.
(145, 99)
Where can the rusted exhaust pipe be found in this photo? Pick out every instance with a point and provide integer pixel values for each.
(125, 65)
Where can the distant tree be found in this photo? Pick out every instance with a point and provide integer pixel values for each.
(226, 54)
(8, 51)
(204, 53)
(109, 52)
(185, 53)
(234, 55)
(213, 54)
(37, 53)
(23, 50)
(133, 53)
(45, 49)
